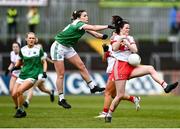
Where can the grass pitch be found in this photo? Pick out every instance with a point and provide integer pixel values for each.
(156, 112)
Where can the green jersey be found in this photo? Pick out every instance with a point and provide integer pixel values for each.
(32, 65)
(71, 34)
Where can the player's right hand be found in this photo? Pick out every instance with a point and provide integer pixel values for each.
(111, 27)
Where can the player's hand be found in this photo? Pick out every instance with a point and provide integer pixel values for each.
(111, 27)
(126, 42)
(44, 75)
(105, 36)
(105, 47)
(6, 72)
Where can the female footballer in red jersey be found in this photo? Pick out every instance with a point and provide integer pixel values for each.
(110, 91)
(15, 74)
(123, 46)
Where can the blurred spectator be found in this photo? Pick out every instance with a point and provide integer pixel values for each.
(1, 24)
(172, 20)
(33, 18)
(178, 19)
(11, 18)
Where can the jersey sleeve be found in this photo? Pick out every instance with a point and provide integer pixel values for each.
(42, 54)
(80, 25)
(117, 38)
(11, 56)
(131, 39)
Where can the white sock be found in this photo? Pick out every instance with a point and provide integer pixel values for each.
(109, 114)
(104, 113)
(27, 101)
(61, 96)
(164, 84)
(91, 84)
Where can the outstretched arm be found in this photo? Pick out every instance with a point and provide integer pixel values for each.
(97, 34)
(97, 27)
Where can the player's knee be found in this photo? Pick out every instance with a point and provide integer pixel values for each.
(110, 91)
(120, 96)
(18, 93)
(107, 93)
(60, 76)
(113, 95)
(41, 88)
(13, 94)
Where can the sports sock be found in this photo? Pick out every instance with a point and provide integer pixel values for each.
(91, 84)
(131, 98)
(61, 96)
(110, 113)
(27, 101)
(105, 110)
(164, 84)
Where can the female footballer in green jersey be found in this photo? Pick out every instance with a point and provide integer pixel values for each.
(31, 56)
(40, 83)
(63, 48)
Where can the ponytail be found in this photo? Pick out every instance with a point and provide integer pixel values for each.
(120, 24)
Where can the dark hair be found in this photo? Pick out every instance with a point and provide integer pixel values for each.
(17, 44)
(116, 19)
(77, 14)
(120, 25)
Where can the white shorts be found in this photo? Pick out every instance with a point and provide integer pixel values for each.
(20, 81)
(59, 52)
(15, 73)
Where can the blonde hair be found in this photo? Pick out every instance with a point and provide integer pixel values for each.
(30, 33)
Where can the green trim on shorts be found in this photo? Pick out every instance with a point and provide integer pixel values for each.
(55, 51)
